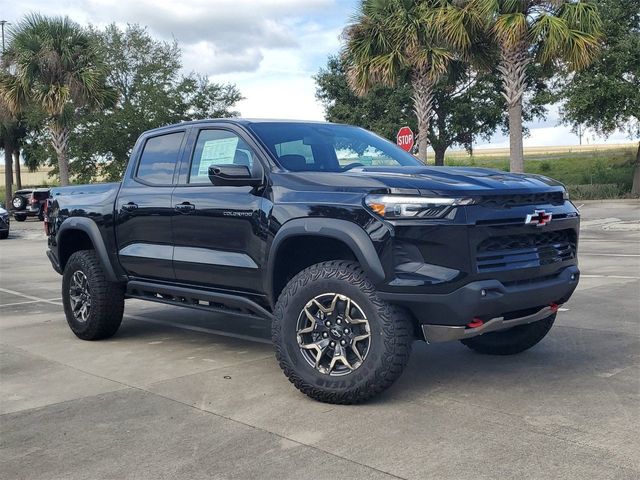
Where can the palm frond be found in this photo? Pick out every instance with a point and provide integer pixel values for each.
(551, 33)
(510, 28)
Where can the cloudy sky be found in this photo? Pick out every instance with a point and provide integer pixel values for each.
(269, 48)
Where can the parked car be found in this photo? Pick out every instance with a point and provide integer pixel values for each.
(350, 246)
(29, 202)
(4, 223)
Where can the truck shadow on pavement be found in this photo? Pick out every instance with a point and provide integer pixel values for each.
(569, 364)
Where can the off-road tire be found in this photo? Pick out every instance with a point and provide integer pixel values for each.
(20, 217)
(511, 341)
(107, 298)
(391, 335)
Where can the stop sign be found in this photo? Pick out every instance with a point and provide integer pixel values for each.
(405, 139)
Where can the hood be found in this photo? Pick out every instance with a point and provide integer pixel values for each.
(426, 180)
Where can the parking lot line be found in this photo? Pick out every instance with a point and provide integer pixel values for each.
(51, 300)
(30, 297)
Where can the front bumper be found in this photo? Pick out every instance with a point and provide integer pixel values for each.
(487, 299)
(447, 333)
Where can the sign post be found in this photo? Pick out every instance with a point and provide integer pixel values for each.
(405, 139)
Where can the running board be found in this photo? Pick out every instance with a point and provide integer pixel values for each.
(447, 333)
(194, 298)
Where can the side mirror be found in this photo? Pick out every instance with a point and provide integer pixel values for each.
(232, 175)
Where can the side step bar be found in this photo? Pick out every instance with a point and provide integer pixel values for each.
(447, 333)
(195, 298)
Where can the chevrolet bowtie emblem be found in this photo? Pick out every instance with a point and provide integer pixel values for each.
(538, 218)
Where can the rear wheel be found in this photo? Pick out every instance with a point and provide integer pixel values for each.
(20, 217)
(335, 339)
(511, 341)
(93, 305)
(4, 235)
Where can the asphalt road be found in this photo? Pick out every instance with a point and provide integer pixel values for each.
(186, 394)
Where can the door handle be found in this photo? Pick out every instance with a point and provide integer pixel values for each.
(129, 207)
(185, 207)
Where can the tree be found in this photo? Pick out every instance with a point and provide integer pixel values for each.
(394, 41)
(383, 110)
(151, 93)
(56, 66)
(606, 95)
(8, 141)
(541, 31)
(467, 105)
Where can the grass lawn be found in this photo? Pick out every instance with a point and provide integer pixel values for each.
(590, 173)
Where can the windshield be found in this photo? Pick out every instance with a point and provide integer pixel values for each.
(329, 148)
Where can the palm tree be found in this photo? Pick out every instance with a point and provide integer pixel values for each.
(544, 31)
(54, 65)
(8, 127)
(391, 41)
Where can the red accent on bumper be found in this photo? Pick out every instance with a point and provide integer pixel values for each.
(476, 323)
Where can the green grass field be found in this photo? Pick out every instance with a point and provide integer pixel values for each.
(590, 173)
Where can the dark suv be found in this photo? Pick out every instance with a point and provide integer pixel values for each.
(29, 202)
(348, 245)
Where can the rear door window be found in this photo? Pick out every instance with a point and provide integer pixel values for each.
(159, 158)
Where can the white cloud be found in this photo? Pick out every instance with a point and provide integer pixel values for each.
(273, 98)
(269, 48)
(236, 32)
(204, 57)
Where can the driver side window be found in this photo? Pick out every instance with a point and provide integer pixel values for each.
(218, 147)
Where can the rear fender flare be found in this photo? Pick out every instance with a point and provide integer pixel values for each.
(89, 227)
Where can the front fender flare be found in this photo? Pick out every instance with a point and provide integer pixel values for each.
(348, 232)
(89, 227)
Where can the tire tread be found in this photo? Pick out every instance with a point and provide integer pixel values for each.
(395, 323)
(107, 298)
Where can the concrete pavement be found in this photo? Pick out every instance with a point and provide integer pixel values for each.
(186, 394)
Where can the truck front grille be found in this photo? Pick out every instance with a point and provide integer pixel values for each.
(524, 251)
(508, 201)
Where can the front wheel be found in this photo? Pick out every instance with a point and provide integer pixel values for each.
(335, 339)
(20, 217)
(511, 341)
(93, 305)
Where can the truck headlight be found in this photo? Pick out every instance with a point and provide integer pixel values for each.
(404, 206)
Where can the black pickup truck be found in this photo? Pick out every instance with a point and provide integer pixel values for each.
(348, 245)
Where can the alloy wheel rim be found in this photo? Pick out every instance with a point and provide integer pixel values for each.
(333, 334)
(80, 296)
